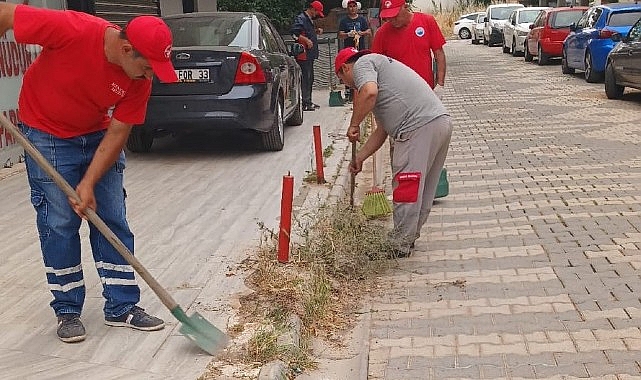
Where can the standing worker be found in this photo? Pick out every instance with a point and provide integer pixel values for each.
(353, 28)
(415, 39)
(409, 112)
(304, 32)
(78, 103)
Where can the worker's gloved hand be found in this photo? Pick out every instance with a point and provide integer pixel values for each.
(439, 91)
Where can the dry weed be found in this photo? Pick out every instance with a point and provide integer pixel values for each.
(332, 265)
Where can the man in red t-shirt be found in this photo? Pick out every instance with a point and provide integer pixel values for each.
(413, 39)
(78, 103)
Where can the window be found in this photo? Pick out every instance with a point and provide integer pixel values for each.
(268, 38)
(565, 19)
(593, 17)
(624, 18)
(528, 15)
(211, 31)
(539, 20)
(635, 32)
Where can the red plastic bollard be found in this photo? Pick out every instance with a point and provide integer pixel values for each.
(318, 148)
(286, 201)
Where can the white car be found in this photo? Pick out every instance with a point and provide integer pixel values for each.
(496, 16)
(477, 28)
(517, 28)
(463, 26)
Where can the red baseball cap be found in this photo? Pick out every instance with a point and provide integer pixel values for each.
(345, 55)
(390, 8)
(318, 6)
(151, 37)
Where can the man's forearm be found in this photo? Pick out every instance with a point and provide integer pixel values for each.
(441, 66)
(108, 151)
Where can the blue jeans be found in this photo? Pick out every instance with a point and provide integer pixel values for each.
(58, 225)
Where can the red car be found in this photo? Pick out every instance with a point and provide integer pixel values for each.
(549, 29)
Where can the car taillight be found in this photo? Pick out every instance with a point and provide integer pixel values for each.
(606, 33)
(249, 70)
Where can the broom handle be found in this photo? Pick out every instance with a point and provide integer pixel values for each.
(352, 186)
(372, 124)
(31, 150)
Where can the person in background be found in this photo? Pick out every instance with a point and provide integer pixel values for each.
(353, 28)
(414, 116)
(414, 39)
(78, 102)
(304, 32)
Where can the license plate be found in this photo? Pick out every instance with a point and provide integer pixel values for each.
(193, 75)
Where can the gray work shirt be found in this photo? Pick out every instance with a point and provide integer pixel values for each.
(405, 101)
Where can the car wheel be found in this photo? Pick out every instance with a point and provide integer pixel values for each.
(612, 89)
(526, 53)
(464, 33)
(542, 58)
(591, 76)
(514, 52)
(140, 140)
(297, 116)
(275, 139)
(565, 69)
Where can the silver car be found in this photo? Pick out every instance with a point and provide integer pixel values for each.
(477, 28)
(517, 28)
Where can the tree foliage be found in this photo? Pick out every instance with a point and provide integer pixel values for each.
(280, 12)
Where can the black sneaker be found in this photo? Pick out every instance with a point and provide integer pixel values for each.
(70, 328)
(315, 105)
(136, 318)
(309, 108)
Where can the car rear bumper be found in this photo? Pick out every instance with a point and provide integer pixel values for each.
(496, 36)
(520, 42)
(552, 48)
(244, 107)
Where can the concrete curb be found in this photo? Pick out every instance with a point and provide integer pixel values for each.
(311, 197)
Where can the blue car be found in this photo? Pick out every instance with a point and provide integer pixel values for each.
(587, 46)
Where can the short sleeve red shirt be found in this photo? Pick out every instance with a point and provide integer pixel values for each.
(71, 88)
(412, 45)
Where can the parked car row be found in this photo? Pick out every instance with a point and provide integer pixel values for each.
(602, 41)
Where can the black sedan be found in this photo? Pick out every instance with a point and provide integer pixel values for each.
(623, 67)
(235, 73)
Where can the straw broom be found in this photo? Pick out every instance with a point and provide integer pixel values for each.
(375, 204)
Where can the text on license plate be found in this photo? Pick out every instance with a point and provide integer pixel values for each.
(193, 75)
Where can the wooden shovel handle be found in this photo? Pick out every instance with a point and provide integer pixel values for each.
(31, 150)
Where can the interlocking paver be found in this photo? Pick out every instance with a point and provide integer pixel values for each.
(529, 267)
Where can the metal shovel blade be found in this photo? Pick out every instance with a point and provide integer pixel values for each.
(200, 331)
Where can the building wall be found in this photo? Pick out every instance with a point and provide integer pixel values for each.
(172, 7)
(14, 60)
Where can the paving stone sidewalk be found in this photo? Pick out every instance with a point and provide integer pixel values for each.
(530, 267)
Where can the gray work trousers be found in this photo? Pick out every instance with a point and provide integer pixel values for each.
(417, 160)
